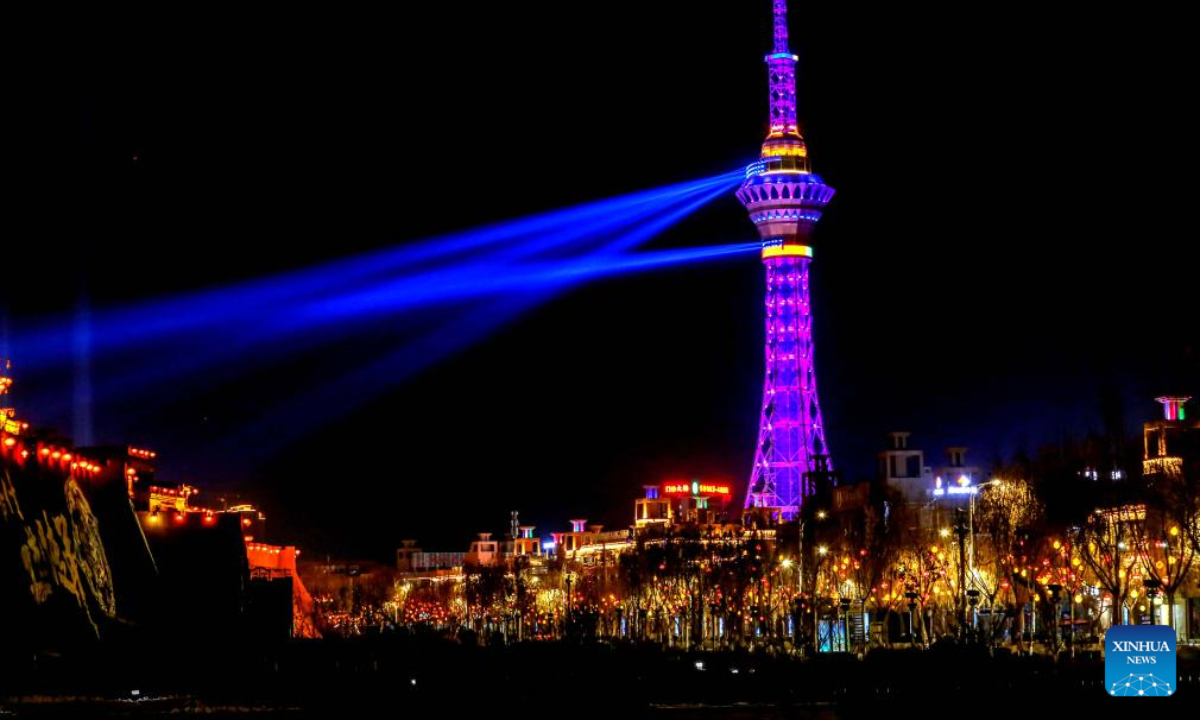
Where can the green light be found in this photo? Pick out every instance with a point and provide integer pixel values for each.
(1182, 412)
(695, 487)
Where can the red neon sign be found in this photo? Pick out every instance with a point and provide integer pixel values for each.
(697, 487)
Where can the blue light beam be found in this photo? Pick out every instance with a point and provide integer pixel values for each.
(261, 336)
(348, 392)
(118, 328)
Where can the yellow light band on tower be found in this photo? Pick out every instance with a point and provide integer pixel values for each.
(787, 251)
(785, 151)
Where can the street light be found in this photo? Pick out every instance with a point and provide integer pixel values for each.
(963, 531)
(1055, 599)
(960, 604)
(1153, 586)
(821, 515)
(971, 522)
(568, 577)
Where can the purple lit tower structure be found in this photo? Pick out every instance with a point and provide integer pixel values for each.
(785, 200)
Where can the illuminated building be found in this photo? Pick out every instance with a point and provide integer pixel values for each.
(520, 547)
(1171, 455)
(275, 585)
(163, 497)
(9, 424)
(581, 534)
(956, 479)
(590, 544)
(652, 509)
(414, 563)
(1172, 442)
(521, 543)
(785, 200)
(484, 551)
(6, 382)
(165, 564)
(251, 521)
(208, 554)
(137, 467)
(697, 502)
(525, 544)
(56, 581)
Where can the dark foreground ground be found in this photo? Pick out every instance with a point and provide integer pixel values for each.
(415, 677)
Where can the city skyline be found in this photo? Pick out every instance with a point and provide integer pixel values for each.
(422, 357)
(696, 324)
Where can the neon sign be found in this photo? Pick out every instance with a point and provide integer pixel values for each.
(697, 487)
(956, 490)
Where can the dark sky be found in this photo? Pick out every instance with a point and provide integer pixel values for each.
(1014, 231)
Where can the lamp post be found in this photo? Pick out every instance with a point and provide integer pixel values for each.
(971, 530)
(1152, 586)
(800, 559)
(1055, 600)
(961, 529)
(786, 564)
(845, 622)
(911, 595)
(822, 551)
(568, 577)
(803, 524)
(821, 515)
(971, 520)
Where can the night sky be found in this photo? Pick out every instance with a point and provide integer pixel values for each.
(1013, 236)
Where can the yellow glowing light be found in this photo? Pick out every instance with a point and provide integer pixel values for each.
(1076, 562)
(822, 550)
(785, 151)
(1121, 573)
(1133, 594)
(935, 549)
(944, 532)
(1057, 545)
(1174, 532)
(1078, 599)
(786, 563)
(776, 251)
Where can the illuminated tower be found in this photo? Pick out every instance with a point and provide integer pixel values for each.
(785, 200)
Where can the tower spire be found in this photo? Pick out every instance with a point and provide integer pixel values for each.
(782, 64)
(781, 27)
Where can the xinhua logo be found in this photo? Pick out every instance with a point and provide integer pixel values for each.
(1139, 661)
